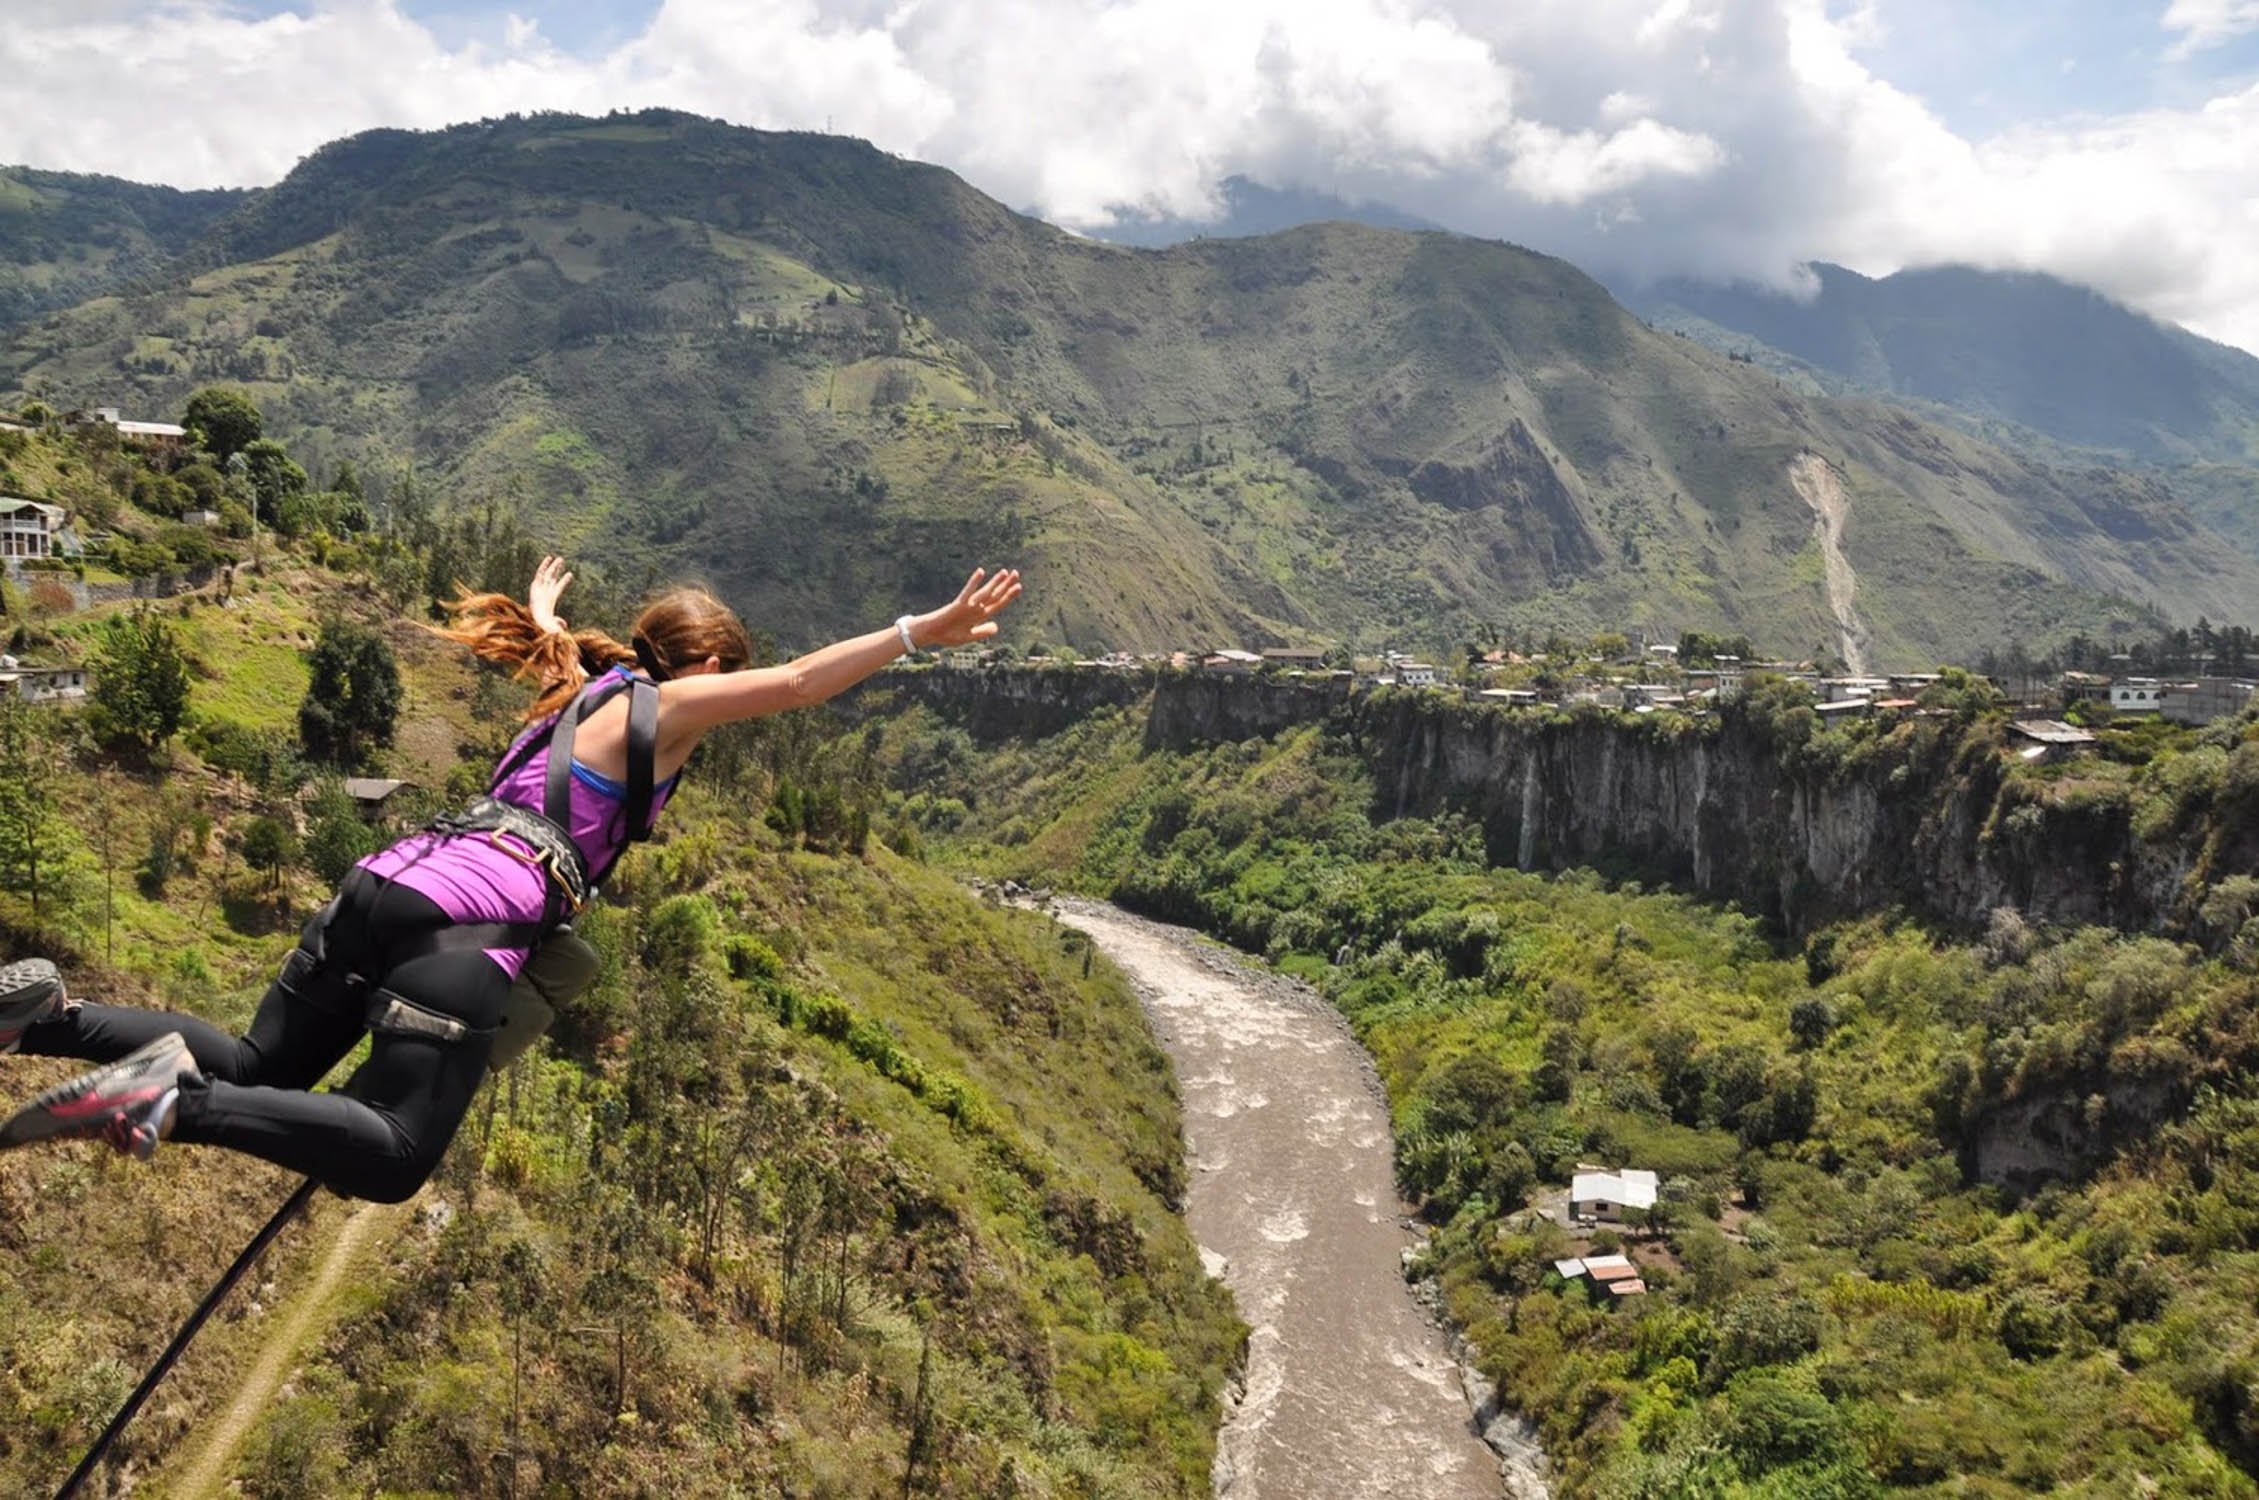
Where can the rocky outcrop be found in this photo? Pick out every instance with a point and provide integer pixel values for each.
(1008, 702)
(1927, 818)
(2036, 1138)
(1206, 708)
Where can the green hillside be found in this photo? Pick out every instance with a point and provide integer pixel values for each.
(840, 1182)
(832, 379)
(67, 236)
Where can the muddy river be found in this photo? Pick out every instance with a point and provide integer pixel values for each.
(1352, 1392)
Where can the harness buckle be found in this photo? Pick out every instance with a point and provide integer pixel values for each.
(542, 859)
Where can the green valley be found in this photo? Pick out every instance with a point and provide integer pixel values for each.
(1942, 1212)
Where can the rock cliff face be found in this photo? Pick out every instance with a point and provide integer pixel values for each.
(1930, 823)
(1001, 703)
(1206, 708)
(1929, 819)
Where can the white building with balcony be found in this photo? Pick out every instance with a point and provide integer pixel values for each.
(28, 528)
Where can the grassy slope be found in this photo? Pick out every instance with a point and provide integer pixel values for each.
(1337, 431)
(1018, 1221)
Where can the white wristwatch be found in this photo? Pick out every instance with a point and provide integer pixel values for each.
(902, 629)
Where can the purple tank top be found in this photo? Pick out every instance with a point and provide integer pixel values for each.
(471, 880)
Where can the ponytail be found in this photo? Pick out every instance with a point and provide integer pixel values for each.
(499, 628)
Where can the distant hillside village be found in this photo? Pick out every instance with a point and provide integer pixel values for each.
(1646, 679)
(99, 508)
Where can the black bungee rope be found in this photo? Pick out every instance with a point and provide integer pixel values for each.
(291, 1208)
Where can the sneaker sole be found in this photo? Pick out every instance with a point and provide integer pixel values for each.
(81, 1105)
(29, 989)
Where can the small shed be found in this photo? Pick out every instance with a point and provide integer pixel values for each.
(371, 793)
(2050, 740)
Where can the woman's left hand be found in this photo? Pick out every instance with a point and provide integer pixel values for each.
(971, 616)
(549, 581)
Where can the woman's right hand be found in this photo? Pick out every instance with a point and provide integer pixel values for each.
(971, 616)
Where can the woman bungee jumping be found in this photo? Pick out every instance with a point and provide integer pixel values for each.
(421, 946)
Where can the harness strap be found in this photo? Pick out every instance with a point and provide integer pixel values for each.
(642, 757)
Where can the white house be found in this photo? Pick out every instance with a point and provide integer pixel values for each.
(28, 528)
(1605, 1195)
(166, 434)
(1417, 674)
(43, 684)
(2138, 695)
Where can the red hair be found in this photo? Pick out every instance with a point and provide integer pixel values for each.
(678, 629)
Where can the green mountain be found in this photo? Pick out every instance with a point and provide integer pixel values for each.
(66, 236)
(832, 380)
(2020, 357)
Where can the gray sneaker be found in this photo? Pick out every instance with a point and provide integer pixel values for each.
(125, 1102)
(31, 991)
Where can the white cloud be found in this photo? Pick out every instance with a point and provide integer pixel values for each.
(2207, 23)
(1638, 137)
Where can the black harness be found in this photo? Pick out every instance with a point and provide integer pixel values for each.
(571, 883)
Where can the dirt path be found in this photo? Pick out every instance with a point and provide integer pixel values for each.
(1351, 1392)
(1818, 485)
(304, 1318)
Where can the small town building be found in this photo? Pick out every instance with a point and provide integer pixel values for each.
(2206, 699)
(2137, 695)
(149, 434)
(1416, 674)
(2049, 740)
(200, 517)
(1306, 658)
(1606, 1195)
(29, 528)
(1612, 1274)
(1232, 660)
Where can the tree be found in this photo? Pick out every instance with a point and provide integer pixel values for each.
(140, 690)
(32, 836)
(225, 421)
(269, 844)
(1810, 1020)
(276, 478)
(337, 837)
(353, 701)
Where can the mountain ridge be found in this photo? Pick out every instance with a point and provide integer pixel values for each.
(2024, 359)
(833, 379)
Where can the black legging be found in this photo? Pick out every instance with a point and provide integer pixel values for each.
(385, 1138)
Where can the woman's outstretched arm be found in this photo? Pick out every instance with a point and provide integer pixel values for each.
(690, 705)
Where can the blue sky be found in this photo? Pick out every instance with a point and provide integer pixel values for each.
(1986, 67)
(2114, 144)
